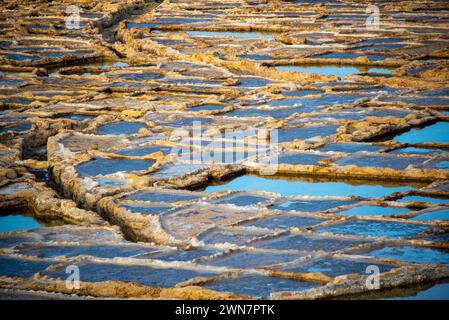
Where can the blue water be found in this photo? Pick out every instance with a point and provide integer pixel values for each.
(437, 292)
(293, 188)
(432, 216)
(372, 211)
(380, 70)
(245, 35)
(437, 132)
(16, 223)
(423, 199)
(339, 71)
(412, 254)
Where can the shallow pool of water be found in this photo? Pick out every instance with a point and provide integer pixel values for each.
(120, 128)
(17, 222)
(375, 229)
(288, 186)
(245, 35)
(423, 199)
(412, 254)
(338, 70)
(105, 166)
(372, 211)
(433, 215)
(438, 291)
(259, 285)
(434, 133)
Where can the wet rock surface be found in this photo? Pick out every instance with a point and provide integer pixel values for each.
(113, 156)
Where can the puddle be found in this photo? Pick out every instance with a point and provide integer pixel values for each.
(174, 20)
(380, 70)
(438, 291)
(77, 117)
(411, 254)
(285, 222)
(252, 82)
(20, 57)
(140, 76)
(301, 93)
(257, 57)
(275, 114)
(419, 101)
(16, 267)
(179, 255)
(18, 101)
(207, 107)
(242, 200)
(247, 260)
(339, 71)
(130, 25)
(375, 229)
(336, 267)
(238, 237)
(423, 199)
(413, 150)
(377, 40)
(176, 170)
(285, 103)
(380, 161)
(351, 56)
(149, 276)
(69, 251)
(157, 210)
(183, 82)
(311, 206)
(433, 133)
(120, 128)
(383, 47)
(17, 222)
(103, 166)
(181, 122)
(305, 132)
(432, 216)
(258, 285)
(372, 211)
(244, 35)
(142, 151)
(305, 243)
(351, 147)
(162, 196)
(300, 158)
(17, 128)
(289, 186)
(331, 99)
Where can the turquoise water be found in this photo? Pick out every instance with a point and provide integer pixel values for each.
(340, 71)
(230, 34)
(301, 187)
(372, 211)
(432, 216)
(17, 222)
(423, 199)
(437, 132)
(380, 70)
